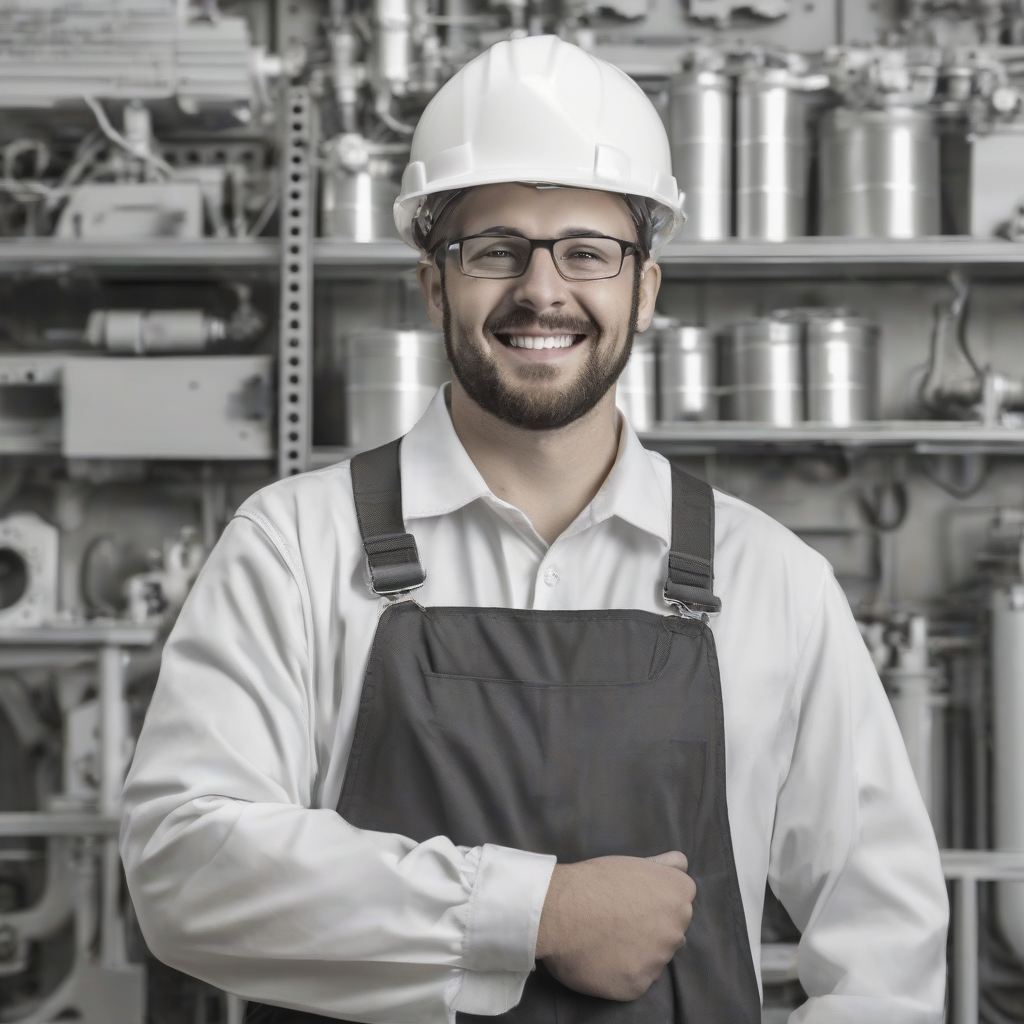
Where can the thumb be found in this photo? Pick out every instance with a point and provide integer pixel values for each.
(672, 859)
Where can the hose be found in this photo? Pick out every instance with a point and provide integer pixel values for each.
(953, 313)
(884, 505)
(973, 472)
(383, 110)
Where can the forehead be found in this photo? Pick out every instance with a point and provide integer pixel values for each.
(543, 212)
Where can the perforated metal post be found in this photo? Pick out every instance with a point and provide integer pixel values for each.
(296, 345)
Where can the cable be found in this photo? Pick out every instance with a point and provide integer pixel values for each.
(973, 472)
(884, 505)
(119, 140)
(383, 110)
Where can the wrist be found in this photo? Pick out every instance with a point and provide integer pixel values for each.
(548, 932)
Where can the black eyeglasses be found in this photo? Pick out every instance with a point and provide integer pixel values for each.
(579, 258)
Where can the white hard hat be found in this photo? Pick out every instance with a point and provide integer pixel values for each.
(541, 110)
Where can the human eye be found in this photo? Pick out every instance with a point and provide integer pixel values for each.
(588, 251)
(491, 252)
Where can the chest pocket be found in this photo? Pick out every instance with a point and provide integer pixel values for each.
(597, 764)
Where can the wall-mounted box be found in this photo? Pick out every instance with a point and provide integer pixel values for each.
(169, 407)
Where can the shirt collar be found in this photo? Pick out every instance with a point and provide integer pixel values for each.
(439, 477)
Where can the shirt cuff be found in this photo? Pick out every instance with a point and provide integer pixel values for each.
(504, 910)
(486, 994)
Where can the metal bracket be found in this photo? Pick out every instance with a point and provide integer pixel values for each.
(296, 334)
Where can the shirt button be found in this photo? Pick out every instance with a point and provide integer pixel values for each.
(551, 576)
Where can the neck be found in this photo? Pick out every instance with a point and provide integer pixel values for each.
(549, 475)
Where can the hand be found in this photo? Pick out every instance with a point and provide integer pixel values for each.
(609, 925)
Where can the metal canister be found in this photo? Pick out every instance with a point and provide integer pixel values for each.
(357, 192)
(686, 374)
(391, 377)
(842, 366)
(879, 173)
(636, 394)
(761, 370)
(771, 156)
(357, 206)
(700, 127)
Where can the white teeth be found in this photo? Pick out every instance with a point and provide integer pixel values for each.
(528, 341)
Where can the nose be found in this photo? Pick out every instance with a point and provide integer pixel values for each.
(541, 287)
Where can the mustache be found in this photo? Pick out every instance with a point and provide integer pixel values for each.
(522, 319)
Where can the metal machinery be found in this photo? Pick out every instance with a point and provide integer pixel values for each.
(200, 290)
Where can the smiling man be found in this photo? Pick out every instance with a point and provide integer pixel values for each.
(512, 718)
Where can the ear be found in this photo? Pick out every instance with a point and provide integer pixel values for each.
(650, 283)
(429, 277)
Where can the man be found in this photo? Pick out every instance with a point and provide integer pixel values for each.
(513, 718)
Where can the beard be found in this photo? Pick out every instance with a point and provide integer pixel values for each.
(516, 402)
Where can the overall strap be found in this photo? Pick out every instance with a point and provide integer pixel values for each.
(391, 553)
(691, 560)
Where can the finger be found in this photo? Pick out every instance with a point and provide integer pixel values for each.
(673, 859)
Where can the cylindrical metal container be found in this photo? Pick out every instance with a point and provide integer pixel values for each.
(357, 205)
(918, 697)
(761, 370)
(636, 394)
(391, 377)
(700, 127)
(879, 173)
(771, 156)
(686, 374)
(1007, 654)
(842, 362)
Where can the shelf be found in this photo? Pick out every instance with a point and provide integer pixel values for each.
(806, 258)
(927, 437)
(818, 258)
(20, 824)
(148, 256)
(334, 257)
(839, 258)
(95, 633)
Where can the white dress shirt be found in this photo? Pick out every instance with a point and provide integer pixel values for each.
(243, 874)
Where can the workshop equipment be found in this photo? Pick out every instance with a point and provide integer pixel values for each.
(879, 173)
(700, 130)
(636, 393)
(687, 371)
(841, 367)
(762, 370)
(391, 377)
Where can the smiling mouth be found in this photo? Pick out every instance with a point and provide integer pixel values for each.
(534, 341)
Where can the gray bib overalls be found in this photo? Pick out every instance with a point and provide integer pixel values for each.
(575, 733)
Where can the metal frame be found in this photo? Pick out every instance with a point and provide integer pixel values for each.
(966, 868)
(295, 345)
(104, 644)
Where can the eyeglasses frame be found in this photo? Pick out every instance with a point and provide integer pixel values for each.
(442, 249)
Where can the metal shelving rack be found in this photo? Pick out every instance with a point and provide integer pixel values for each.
(806, 259)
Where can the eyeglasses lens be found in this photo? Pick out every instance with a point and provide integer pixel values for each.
(577, 259)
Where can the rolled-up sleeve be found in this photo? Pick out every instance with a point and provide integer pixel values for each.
(238, 880)
(853, 855)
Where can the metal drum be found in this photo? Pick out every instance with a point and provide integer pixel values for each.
(771, 156)
(761, 370)
(880, 173)
(842, 364)
(358, 207)
(700, 127)
(686, 374)
(636, 394)
(391, 377)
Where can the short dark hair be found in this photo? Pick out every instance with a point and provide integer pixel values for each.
(433, 221)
